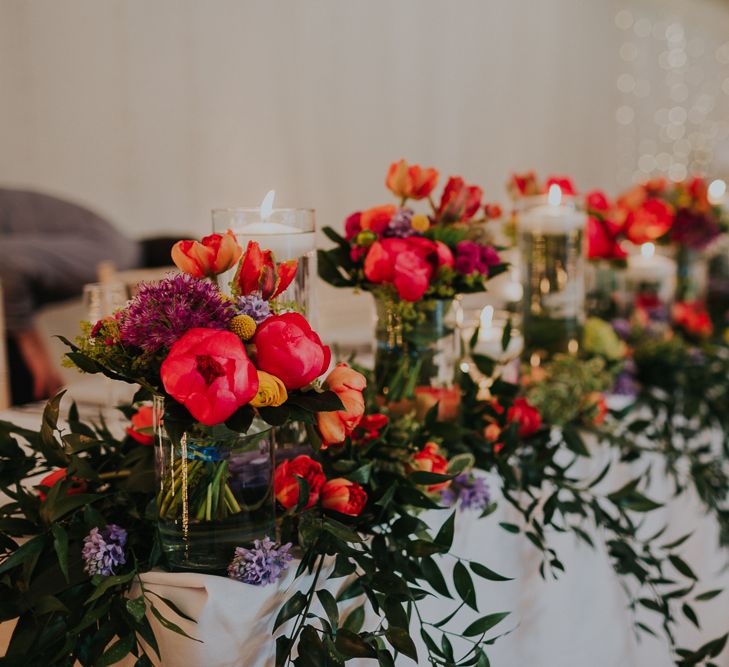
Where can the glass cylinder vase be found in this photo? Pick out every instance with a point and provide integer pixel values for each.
(416, 351)
(550, 235)
(604, 283)
(214, 491)
(289, 233)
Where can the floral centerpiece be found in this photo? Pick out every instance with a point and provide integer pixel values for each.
(679, 215)
(222, 371)
(414, 264)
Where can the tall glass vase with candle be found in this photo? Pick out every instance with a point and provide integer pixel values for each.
(550, 233)
(289, 233)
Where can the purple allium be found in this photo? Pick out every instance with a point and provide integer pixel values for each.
(162, 312)
(470, 491)
(401, 225)
(103, 550)
(254, 306)
(262, 565)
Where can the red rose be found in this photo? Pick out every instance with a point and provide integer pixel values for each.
(258, 272)
(459, 201)
(142, 421)
(429, 460)
(565, 184)
(693, 318)
(649, 221)
(348, 384)
(213, 255)
(343, 496)
(50, 480)
(209, 372)
(285, 486)
(377, 219)
(287, 347)
(526, 415)
(411, 181)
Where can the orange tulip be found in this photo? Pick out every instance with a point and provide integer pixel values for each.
(258, 272)
(411, 181)
(203, 259)
(343, 496)
(348, 384)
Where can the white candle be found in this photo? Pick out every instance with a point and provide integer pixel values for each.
(490, 334)
(285, 241)
(553, 217)
(648, 267)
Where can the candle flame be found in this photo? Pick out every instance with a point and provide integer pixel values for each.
(717, 190)
(648, 249)
(267, 205)
(555, 195)
(487, 317)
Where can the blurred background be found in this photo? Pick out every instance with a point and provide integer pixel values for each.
(153, 113)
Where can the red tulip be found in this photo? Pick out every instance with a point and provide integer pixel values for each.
(258, 272)
(429, 460)
(411, 181)
(209, 372)
(692, 317)
(649, 221)
(213, 255)
(285, 486)
(343, 496)
(596, 201)
(492, 211)
(348, 384)
(142, 421)
(523, 185)
(565, 184)
(459, 201)
(287, 347)
(526, 415)
(377, 219)
(50, 480)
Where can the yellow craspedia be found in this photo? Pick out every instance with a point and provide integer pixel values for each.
(420, 223)
(271, 391)
(243, 326)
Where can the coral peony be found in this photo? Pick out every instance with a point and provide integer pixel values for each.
(209, 372)
(377, 219)
(648, 221)
(429, 460)
(287, 347)
(348, 384)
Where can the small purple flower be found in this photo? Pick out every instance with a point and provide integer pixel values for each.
(401, 225)
(262, 565)
(103, 550)
(473, 257)
(470, 491)
(254, 306)
(162, 312)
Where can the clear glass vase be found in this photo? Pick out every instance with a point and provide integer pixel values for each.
(215, 492)
(416, 351)
(691, 274)
(553, 278)
(604, 280)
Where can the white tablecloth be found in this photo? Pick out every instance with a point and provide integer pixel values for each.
(580, 618)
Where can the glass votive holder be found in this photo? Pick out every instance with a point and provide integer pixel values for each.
(289, 233)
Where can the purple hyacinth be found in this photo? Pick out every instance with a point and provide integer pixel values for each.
(254, 306)
(103, 550)
(401, 225)
(162, 312)
(262, 565)
(470, 491)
